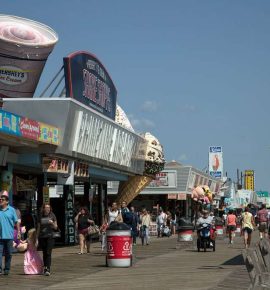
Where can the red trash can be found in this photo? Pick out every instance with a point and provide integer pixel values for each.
(119, 245)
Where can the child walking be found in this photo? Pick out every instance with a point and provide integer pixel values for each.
(33, 264)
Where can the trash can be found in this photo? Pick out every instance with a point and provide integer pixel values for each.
(119, 245)
(185, 230)
(219, 226)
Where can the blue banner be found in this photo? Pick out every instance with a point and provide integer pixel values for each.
(10, 123)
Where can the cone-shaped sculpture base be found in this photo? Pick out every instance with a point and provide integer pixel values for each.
(130, 188)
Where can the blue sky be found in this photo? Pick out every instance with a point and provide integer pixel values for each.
(194, 73)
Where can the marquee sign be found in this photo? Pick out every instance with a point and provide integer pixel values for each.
(88, 82)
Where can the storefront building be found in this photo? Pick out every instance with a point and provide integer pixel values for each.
(21, 176)
(172, 189)
(91, 148)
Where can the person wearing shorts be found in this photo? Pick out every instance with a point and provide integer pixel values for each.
(248, 225)
(262, 216)
(83, 220)
(231, 225)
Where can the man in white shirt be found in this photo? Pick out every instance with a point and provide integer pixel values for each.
(161, 221)
(204, 219)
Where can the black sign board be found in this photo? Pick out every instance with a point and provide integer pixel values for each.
(69, 215)
(88, 82)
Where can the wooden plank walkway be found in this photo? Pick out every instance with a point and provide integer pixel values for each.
(157, 266)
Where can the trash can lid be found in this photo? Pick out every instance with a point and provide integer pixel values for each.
(183, 222)
(116, 226)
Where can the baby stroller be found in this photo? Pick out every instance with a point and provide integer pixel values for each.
(165, 231)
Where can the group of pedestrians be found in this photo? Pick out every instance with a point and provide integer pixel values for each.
(248, 224)
(47, 224)
(139, 222)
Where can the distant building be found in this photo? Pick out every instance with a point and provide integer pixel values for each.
(172, 187)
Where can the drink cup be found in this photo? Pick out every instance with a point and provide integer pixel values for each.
(24, 48)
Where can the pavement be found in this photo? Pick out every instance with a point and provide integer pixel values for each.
(164, 264)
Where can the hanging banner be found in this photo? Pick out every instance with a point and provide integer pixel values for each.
(172, 196)
(216, 161)
(81, 169)
(48, 134)
(29, 128)
(59, 165)
(249, 180)
(26, 185)
(46, 194)
(181, 196)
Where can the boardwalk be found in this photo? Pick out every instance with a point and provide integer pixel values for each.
(157, 266)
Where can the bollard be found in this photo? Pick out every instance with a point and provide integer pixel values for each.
(119, 245)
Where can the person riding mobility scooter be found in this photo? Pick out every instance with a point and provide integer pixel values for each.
(205, 232)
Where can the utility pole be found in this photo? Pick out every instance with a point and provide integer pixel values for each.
(239, 180)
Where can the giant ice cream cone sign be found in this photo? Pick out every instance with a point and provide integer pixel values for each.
(24, 48)
(154, 163)
(129, 189)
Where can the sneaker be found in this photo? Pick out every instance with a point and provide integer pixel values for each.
(6, 272)
(80, 253)
(47, 273)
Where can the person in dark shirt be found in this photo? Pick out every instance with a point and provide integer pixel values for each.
(83, 220)
(134, 225)
(47, 224)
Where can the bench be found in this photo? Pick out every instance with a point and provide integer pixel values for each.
(258, 265)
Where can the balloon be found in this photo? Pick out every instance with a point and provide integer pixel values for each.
(202, 193)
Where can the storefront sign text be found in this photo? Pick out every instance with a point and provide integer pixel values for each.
(12, 124)
(88, 82)
(70, 226)
(164, 179)
(122, 142)
(55, 165)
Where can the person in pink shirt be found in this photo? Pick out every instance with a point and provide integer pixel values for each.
(262, 216)
(231, 225)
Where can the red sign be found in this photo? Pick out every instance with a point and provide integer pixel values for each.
(29, 128)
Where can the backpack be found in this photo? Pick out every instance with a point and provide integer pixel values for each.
(127, 217)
